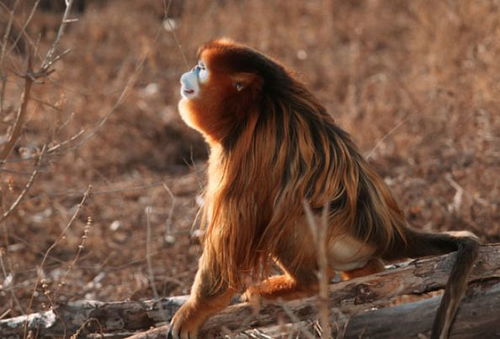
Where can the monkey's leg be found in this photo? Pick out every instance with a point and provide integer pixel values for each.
(300, 278)
(284, 287)
(373, 266)
(288, 287)
(206, 299)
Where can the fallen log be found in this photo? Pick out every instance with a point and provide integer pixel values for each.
(349, 297)
(478, 317)
(86, 316)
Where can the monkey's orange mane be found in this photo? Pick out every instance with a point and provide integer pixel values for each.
(282, 150)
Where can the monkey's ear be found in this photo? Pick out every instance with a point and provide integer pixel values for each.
(244, 80)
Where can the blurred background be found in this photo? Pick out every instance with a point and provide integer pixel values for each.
(416, 83)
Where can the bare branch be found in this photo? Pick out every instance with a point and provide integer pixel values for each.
(7, 33)
(25, 25)
(386, 135)
(150, 263)
(12, 293)
(166, 9)
(61, 236)
(168, 223)
(21, 115)
(51, 57)
(26, 187)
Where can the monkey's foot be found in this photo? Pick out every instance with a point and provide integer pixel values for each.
(373, 266)
(280, 286)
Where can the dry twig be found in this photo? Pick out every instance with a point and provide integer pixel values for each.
(61, 237)
(149, 262)
(319, 232)
(21, 115)
(26, 187)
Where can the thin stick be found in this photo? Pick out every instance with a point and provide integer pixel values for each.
(25, 189)
(415, 103)
(66, 142)
(5, 38)
(324, 277)
(51, 58)
(61, 236)
(459, 188)
(168, 223)
(21, 114)
(7, 32)
(319, 233)
(12, 293)
(166, 9)
(386, 135)
(81, 246)
(295, 319)
(149, 262)
(4, 314)
(25, 25)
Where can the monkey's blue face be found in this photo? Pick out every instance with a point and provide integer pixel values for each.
(191, 81)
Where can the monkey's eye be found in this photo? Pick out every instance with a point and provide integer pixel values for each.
(202, 72)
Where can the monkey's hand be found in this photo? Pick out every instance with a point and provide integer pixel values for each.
(462, 234)
(186, 321)
(191, 316)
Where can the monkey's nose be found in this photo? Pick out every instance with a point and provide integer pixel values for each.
(183, 76)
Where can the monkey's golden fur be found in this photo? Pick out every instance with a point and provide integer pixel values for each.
(274, 148)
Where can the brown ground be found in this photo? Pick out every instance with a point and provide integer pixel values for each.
(416, 83)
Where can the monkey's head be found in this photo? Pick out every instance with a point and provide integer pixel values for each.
(226, 87)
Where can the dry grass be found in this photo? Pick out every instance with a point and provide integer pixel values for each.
(416, 83)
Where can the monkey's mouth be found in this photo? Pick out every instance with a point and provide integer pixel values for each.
(188, 91)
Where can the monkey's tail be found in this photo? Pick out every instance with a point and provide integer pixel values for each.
(467, 248)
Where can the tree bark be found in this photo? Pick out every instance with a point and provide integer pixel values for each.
(347, 298)
(478, 317)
